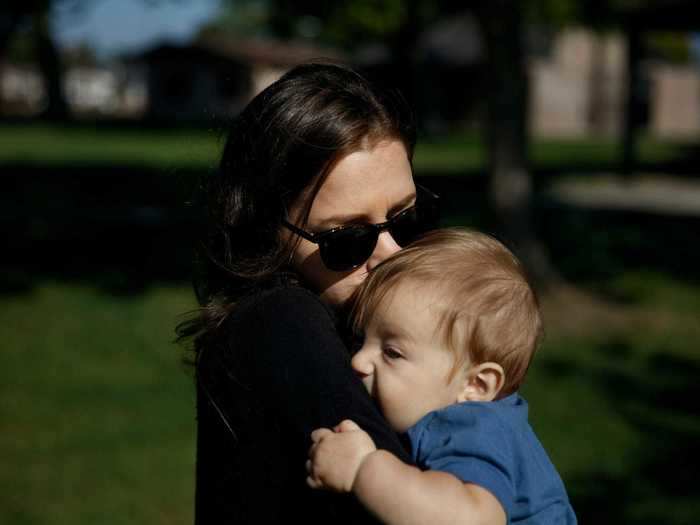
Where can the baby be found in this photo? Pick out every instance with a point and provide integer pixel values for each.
(450, 325)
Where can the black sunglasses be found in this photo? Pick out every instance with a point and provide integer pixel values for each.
(346, 247)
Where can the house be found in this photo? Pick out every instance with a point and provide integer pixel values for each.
(22, 90)
(580, 88)
(214, 77)
(91, 90)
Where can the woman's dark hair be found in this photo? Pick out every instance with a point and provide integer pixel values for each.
(279, 149)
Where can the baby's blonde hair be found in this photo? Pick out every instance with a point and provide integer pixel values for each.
(489, 310)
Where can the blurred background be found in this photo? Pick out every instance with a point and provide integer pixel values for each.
(569, 128)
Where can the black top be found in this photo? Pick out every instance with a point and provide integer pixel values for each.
(277, 371)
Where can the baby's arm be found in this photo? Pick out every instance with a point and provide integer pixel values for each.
(397, 493)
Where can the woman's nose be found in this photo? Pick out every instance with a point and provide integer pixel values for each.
(385, 248)
(362, 362)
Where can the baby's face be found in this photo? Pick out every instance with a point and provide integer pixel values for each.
(404, 362)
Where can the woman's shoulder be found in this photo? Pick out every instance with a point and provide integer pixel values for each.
(284, 302)
(288, 313)
(283, 338)
(282, 323)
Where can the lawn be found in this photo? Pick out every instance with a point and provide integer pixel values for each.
(80, 145)
(97, 410)
(98, 422)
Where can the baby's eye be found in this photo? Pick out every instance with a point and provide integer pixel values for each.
(390, 353)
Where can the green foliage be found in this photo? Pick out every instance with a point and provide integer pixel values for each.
(341, 24)
(347, 24)
(241, 18)
(22, 48)
(371, 19)
(553, 13)
(671, 47)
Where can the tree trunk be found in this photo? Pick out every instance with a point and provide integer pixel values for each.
(403, 61)
(51, 70)
(597, 101)
(9, 22)
(510, 185)
(633, 102)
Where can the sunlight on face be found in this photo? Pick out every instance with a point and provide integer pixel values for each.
(369, 186)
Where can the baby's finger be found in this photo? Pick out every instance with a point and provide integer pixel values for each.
(347, 425)
(312, 483)
(318, 434)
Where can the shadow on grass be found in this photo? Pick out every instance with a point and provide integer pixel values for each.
(588, 246)
(122, 229)
(117, 229)
(658, 399)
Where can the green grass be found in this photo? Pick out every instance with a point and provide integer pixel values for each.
(59, 146)
(98, 414)
(62, 146)
(614, 400)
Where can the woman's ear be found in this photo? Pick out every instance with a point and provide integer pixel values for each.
(483, 382)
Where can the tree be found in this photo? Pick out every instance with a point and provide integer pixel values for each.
(510, 183)
(36, 12)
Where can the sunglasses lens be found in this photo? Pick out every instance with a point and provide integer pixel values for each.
(413, 222)
(348, 248)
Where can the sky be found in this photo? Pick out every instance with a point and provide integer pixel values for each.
(121, 26)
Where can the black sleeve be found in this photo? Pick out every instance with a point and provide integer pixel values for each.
(305, 368)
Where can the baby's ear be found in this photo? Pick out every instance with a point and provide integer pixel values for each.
(483, 382)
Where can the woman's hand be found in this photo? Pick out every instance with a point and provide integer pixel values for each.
(335, 457)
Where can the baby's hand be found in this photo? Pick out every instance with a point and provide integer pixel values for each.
(336, 457)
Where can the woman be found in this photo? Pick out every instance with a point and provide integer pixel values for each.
(314, 189)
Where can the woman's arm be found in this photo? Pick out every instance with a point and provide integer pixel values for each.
(304, 367)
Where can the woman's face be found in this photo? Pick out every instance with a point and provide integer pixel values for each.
(367, 186)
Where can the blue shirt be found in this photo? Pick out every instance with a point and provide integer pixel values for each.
(491, 444)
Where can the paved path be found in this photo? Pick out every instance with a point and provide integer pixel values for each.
(653, 194)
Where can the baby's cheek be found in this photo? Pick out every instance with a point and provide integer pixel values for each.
(367, 381)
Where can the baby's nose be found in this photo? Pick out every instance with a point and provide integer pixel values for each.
(362, 363)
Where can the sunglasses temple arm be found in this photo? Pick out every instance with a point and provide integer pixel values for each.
(299, 231)
(430, 192)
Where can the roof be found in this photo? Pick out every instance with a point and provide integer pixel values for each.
(244, 50)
